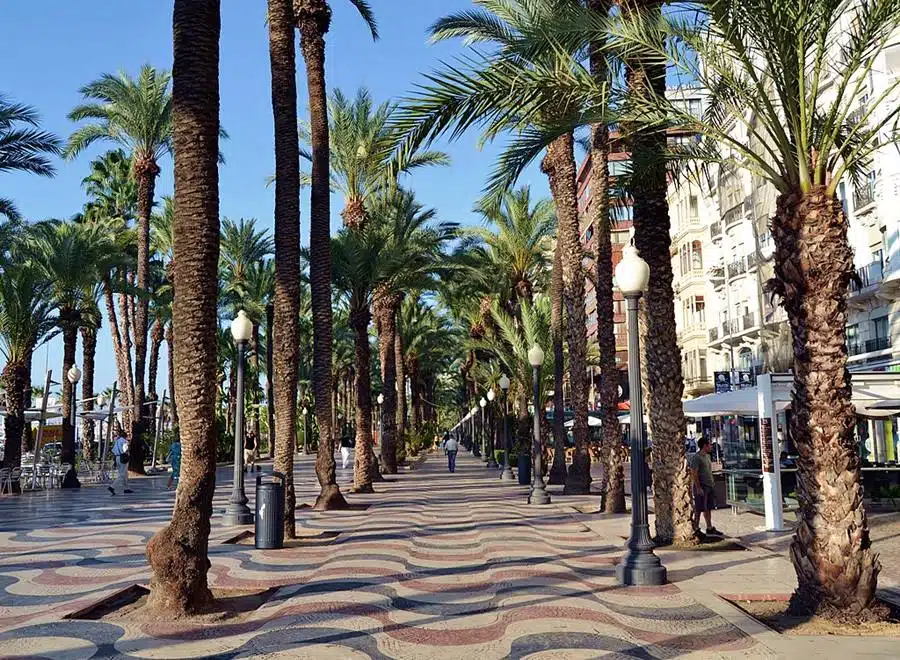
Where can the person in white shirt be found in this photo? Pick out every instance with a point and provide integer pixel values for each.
(120, 451)
(451, 447)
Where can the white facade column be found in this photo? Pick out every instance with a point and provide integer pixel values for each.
(769, 450)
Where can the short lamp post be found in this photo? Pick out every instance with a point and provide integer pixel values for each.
(492, 459)
(639, 566)
(473, 413)
(484, 450)
(73, 375)
(237, 512)
(380, 400)
(538, 494)
(305, 412)
(507, 474)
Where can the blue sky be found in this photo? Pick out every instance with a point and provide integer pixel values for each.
(55, 46)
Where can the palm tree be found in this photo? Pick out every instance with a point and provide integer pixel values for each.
(285, 337)
(68, 256)
(242, 247)
(178, 553)
(313, 19)
(92, 319)
(136, 114)
(26, 321)
(23, 146)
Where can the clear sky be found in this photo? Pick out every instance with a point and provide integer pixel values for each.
(52, 47)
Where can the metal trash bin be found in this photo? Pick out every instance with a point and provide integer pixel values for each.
(270, 513)
(524, 468)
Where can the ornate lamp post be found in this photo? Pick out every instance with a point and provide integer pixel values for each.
(237, 512)
(305, 412)
(538, 494)
(492, 459)
(484, 450)
(475, 451)
(639, 566)
(73, 376)
(380, 412)
(507, 474)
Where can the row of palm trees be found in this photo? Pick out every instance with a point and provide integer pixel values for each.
(784, 80)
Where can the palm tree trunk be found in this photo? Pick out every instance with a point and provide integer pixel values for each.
(413, 368)
(145, 171)
(385, 305)
(559, 166)
(17, 382)
(88, 352)
(178, 553)
(270, 392)
(156, 339)
(557, 332)
(286, 337)
(128, 388)
(313, 19)
(401, 387)
(362, 471)
(68, 319)
(664, 386)
(120, 353)
(170, 355)
(837, 570)
(610, 444)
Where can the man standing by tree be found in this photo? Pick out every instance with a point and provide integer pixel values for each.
(704, 488)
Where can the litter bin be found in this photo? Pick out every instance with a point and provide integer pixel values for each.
(524, 468)
(270, 513)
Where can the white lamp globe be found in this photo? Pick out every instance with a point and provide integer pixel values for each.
(241, 327)
(632, 272)
(304, 411)
(504, 382)
(482, 403)
(380, 398)
(101, 400)
(536, 356)
(74, 374)
(491, 395)
(474, 411)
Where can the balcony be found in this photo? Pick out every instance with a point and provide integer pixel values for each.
(868, 346)
(713, 334)
(869, 275)
(717, 273)
(864, 195)
(748, 321)
(715, 229)
(736, 268)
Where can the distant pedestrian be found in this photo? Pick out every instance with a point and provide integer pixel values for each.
(250, 451)
(451, 446)
(704, 488)
(346, 445)
(120, 456)
(174, 460)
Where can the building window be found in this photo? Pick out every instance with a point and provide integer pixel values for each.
(700, 311)
(881, 327)
(745, 359)
(703, 372)
(693, 212)
(697, 255)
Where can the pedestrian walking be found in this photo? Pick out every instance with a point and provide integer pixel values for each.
(704, 488)
(120, 455)
(250, 452)
(174, 460)
(346, 445)
(451, 447)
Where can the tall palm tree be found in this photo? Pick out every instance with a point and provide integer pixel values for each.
(69, 256)
(23, 146)
(242, 247)
(26, 320)
(136, 114)
(285, 337)
(178, 553)
(313, 19)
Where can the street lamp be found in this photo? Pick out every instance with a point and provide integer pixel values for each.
(305, 412)
(492, 459)
(639, 566)
(73, 375)
(507, 474)
(539, 494)
(484, 450)
(237, 512)
(380, 400)
(472, 413)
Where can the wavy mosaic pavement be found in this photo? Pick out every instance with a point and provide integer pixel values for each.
(438, 566)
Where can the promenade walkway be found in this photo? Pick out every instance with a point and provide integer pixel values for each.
(437, 566)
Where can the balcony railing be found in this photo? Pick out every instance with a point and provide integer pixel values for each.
(717, 273)
(869, 346)
(864, 195)
(731, 326)
(713, 334)
(748, 321)
(715, 229)
(736, 268)
(868, 275)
